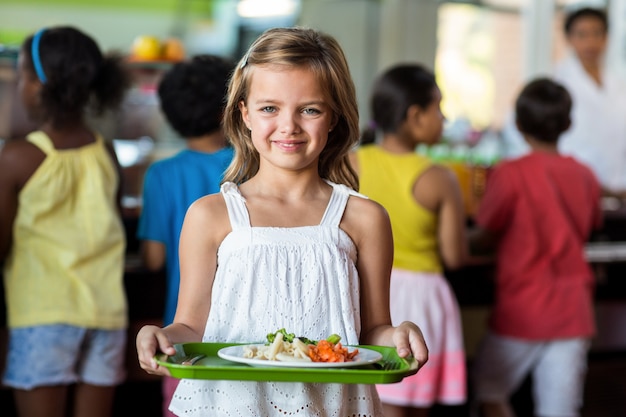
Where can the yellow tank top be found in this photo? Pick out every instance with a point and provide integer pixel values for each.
(66, 264)
(389, 179)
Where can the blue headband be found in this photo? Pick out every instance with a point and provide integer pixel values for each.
(34, 53)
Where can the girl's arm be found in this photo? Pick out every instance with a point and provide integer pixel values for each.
(438, 190)
(8, 200)
(367, 223)
(19, 159)
(205, 226)
(153, 254)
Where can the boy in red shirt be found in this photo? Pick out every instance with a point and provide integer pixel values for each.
(537, 213)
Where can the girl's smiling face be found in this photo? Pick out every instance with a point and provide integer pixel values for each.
(288, 116)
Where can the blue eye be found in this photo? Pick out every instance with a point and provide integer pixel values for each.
(268, 109)
(311, 111)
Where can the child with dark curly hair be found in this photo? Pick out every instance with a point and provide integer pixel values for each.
(61, 235)
(192, 96)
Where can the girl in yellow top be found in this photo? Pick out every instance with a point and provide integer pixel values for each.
(427, 219)
(61, 236)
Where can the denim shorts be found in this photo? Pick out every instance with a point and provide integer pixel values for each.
(557, 368)
(61, 355)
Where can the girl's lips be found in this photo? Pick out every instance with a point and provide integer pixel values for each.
(288, 145)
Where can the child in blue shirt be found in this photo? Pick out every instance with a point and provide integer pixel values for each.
(192, 99)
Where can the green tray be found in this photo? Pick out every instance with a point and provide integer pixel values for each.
(391, 368)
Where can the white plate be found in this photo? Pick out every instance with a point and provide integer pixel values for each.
(364, 357)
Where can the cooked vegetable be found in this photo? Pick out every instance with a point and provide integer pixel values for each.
(328, 350)
(287, 337)
(307, 340)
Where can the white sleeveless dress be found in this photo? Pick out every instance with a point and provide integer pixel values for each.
(303, 279)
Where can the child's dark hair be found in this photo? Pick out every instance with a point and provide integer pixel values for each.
(193, 94)
(543, 110)
(76, 73)
(393, 93)
(575, 15)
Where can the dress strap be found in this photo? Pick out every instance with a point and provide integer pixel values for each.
(42, 141)
(337, 204)
(236, 206)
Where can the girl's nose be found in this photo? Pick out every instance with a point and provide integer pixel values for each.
(289, 125)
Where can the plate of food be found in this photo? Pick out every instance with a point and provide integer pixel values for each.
(253, 355)
(286, 350)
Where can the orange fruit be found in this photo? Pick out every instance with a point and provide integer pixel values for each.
(173, 50)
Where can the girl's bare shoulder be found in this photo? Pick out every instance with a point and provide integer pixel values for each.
(20, 151)
(363, 215)
(19, 159)
(361, 204)
(209, 213)
(437, 184)
(438, 175)
(210, 205)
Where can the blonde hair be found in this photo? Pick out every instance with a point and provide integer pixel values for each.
(297, 47)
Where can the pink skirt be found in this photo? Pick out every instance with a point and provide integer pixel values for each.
(427, 300)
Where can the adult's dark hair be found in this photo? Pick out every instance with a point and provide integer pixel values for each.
(393, 93)
(585, 12)
(543, 110)
(193, 94)
(77, 74)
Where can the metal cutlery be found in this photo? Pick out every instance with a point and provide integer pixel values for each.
(191, 359)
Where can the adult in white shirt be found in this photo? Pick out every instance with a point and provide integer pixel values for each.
(597, 136)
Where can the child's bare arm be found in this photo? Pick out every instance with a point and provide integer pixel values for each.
(8, 202)
(438, 190)
(19, 159)
(153, 255)
(452, 238)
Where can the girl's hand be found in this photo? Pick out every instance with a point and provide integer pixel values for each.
(150, 340)
(408, 339)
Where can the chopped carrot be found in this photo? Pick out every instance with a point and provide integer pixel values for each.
(325, 351)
